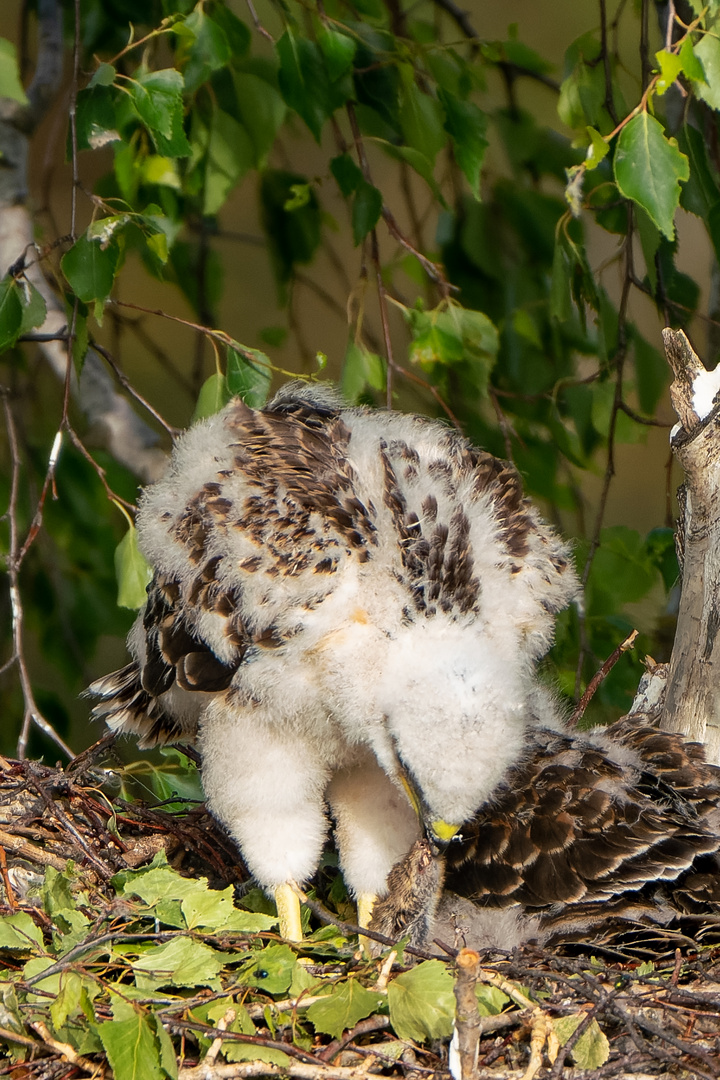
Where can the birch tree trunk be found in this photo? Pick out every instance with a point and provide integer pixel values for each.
(692, 704)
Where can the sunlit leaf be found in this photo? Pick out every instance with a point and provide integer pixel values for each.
(466, 124)
(11, 312)
(249, 372)
(648, 169)
(670, 67)
(10, 84)
(133, 571)
(214, 396)
(90, 268)
(343, 1007)
(422, 1002)
(131, 1048)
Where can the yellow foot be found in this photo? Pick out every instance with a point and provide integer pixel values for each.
(288, 906)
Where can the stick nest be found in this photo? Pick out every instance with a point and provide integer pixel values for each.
(131, 947)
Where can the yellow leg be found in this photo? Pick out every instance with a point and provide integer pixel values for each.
(365, 903)
(288, 905)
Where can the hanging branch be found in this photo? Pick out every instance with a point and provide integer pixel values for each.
(32, 714)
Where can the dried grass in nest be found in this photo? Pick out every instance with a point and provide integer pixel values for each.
(660, 1019)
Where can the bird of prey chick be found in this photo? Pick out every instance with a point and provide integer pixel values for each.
(344, 601)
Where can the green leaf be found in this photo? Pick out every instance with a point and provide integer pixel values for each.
(343, 1007)
(660, 545)
(295, 235)
(299, 197)
(180, 962)
(67, 1002)
(10, 85)
(304, 81)
(622, 572)
(168, 1059)
(338, 50)
(90, 268)
(707, 51)
(417, 161)
(249, 372)
(592, 1048)
(626, 429)
(261, 110)
(491, 1001)
(230, 155)
(209, 51)
(560, 282)
(597, 150)
(104, 76)
(96, 117)
(361, 368)
(11, 312)
(366, 210)
(157, 97)
(466, 124)
(131, 1048)
(422, 1002)
(214, 396)
(33, 305)
(132, 570)
(691, 66)
(420, 117)
(20, 932)
(670, 65)
(701, 193)
(347, 173)
(271, 969)
(649, 168)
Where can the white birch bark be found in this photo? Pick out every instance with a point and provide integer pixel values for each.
(692, 704)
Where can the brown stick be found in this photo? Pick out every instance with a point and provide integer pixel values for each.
(598, 677)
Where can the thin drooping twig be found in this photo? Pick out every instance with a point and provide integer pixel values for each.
(626, 644)
(32, 714)
(375, 255)
(620, 356)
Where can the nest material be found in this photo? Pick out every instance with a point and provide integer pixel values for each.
(660, 1019)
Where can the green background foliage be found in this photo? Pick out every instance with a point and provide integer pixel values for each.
(497, 239)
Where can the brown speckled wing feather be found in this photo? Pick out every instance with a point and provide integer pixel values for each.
(577, 826)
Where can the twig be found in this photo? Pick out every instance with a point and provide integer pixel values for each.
(32, 714)
(364, 1027)
(626, 644)
(298, 1070)
(64, 1049)
(258, 25)
(54, 807)
(9, 891)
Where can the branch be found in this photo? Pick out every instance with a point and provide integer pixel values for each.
(692, 705)
(32, 713)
